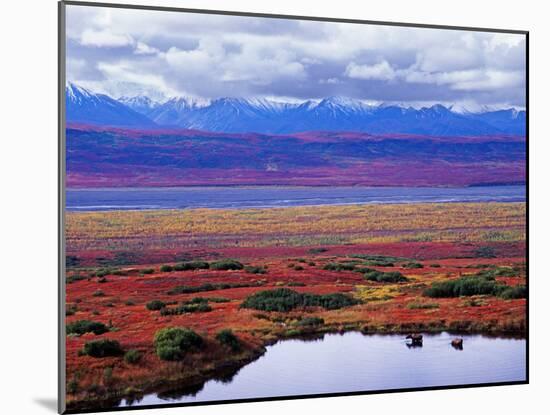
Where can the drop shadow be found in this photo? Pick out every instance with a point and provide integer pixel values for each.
(48, 403)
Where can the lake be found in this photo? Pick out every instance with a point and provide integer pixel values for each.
(354, 362)
(278, 196)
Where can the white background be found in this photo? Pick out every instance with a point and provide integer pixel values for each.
(28, 167)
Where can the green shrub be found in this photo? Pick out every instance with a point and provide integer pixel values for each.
(317, 250)
(166, 268)
(378, 263)
(381, 258)
(187, 289)
(298, 268)
(132, 356)
(85, 326)
(197, 300)
(519, 291)
(435, 266)
(226, 264)
(421, 306)
(498, 272)
(155, 305)
(339, 266)
(284, 299)
(379, 276)
(75, 277)
(72, 261)
(201, 307)
(72, 386)
(98, 293)
(295, 284)
(464, 286)
(468, 286)
(412, 265)
(227, 338)
(172, 343)
(107, 375)
(485, 252)
(218, 299)
(102, 348)
(147, 271)
(310, 322)
(191, 265)
(255, 270)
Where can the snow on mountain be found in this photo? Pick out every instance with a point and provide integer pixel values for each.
(142, 104)
(87, 107)
(238, 115)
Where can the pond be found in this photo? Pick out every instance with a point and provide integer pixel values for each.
(354, 362)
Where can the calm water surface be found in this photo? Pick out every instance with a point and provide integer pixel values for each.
(356, 362)
(278, 196)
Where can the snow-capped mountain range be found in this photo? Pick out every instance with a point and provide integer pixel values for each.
(239, 115)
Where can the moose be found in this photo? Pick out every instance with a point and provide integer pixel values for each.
(457, 343)
(415, 338)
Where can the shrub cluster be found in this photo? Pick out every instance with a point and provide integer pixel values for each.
(378, 263)
(227, 338)
(132, 356)
(183, 308)
(187, 289)
(75, 277)
(421, 306)
(216, 299)
(379, 276)
(102, 348)
(510, 293)
(85, 326)
(191, 265)
(317, 250)
(226, 264)
(284, 299)
(310, 322)
(381, 258)
(295, 284)
(155, 305)
(499, 272)
(412, 265)
(339, 266)
(255, 270)
(172, 343)
(485, 252)
(468, 286)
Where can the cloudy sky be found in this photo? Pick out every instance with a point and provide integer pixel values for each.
(125, 52)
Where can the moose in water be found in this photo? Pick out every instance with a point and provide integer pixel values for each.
(457, 343)
(415, 340)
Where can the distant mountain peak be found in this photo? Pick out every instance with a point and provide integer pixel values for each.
(85, 106)
(262, 115)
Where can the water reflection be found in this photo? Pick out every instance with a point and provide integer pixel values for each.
(353, 362)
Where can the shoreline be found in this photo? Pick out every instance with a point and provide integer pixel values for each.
(233, 366)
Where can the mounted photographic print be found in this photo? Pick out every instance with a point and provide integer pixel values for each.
(259, 207)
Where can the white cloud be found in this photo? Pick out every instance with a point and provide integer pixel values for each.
(381, 71)
(145, 49)
(105, 38)
(125, 73)
(214, 56)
